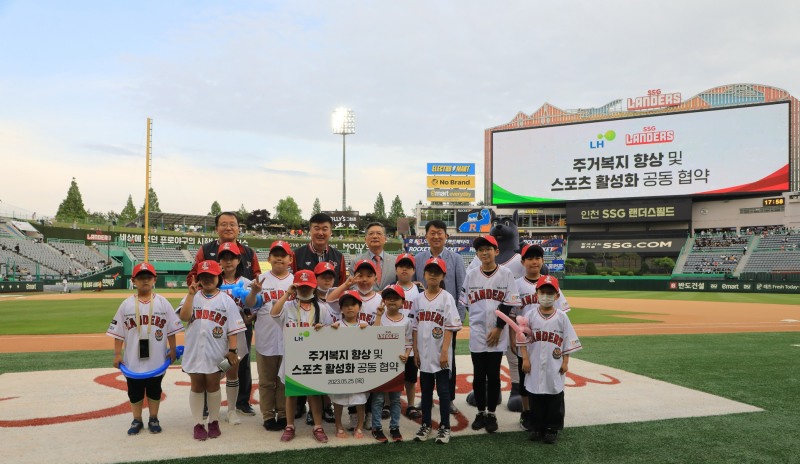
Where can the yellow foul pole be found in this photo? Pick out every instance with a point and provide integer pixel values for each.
(147, 189)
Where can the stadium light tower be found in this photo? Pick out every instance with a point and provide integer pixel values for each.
(343, 121)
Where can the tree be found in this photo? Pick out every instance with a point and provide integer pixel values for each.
(396, 212)
(288, 213)
(591, 268)
(316, 209)
(72, 207)
(215, 209)
(259, 219)
(154, 208)
(243, 213)
(380, 208)
(128, 213)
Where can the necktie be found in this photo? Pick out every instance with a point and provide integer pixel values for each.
(377, 259)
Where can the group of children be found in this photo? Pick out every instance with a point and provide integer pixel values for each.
(427, 313)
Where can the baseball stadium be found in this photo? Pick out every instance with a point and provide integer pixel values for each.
(672, 223)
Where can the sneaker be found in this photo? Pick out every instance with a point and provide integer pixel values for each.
(299, 413)
(443, 437)
(413, 413)
(213, 429)
(453, 409)
(327, 415)
(525, 421)
(288, 434)
(280, 423)
(379, 435)
(319, 435)
(423, 433)
(480, 421)
(385, 413)
(396, 435)
(271, 425)
(491, 423)
(536, 435)
(233, 418)
(246, 410)
(200, 432)
(136, 426)
(153, 425)
(550, 436)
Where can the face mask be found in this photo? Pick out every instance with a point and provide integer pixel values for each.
(322, 289)
(305, 294)
(547, 300)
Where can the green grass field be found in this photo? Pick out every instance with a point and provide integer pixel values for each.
(757, 369)
(92, 315)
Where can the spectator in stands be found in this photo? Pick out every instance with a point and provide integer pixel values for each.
(384, 262)
(227, 228)
(436, 236)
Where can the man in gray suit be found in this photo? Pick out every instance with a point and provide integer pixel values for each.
(384, 262)
(436, 235)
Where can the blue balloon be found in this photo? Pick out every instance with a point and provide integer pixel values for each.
(239, 291)
(155, 372)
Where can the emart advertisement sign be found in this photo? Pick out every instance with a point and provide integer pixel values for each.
(452, 195)
(343, 360)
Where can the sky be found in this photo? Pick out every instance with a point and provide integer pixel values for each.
(241, 92)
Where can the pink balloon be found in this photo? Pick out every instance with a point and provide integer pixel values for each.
(520, 327)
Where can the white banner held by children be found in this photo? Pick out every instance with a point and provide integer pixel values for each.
(343, 360)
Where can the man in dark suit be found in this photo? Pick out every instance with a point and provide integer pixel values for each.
(384, 262)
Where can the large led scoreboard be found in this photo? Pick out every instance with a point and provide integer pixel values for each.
(742, 149)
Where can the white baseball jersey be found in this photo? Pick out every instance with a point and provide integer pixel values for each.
(268, 330)
(529, 300)
(482, 295)
(155, 321)
(412, 293)
(401, 320)
(433, 317)
(369, 308)
(514, 264)
(292, 315)
(553, 337)
(214, 319)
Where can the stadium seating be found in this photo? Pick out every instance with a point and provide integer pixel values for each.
(52, 259)
(158, 253)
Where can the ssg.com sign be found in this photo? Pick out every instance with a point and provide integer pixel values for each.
(661, 246)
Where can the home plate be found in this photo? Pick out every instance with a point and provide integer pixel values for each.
(81, 416)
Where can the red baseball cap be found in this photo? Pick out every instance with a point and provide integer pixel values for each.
(323, 267)
(209, 266)
(281, 244)
(305, 278)
(394, 288)
(406, 257)
(438, 262)
(144, 267)
(365, 262)
(231, 247)
(484, 240)
(532, 250)
(547, 280)
(351, 294)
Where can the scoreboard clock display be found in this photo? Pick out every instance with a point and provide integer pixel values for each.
(779, 201)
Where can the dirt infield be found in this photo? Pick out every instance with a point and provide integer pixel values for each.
(675, 317)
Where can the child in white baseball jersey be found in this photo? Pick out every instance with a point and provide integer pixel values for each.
(532, 257)
(299, 307)
(487, 288)
(435, 324)
(545, 360)
(269, 335)
(211, 338)
(229, 257)
(350, 306)
(404, 267)
(144, 324)
(363, 280)
(391, 314)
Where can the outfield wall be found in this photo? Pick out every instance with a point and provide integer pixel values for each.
(669, 284)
